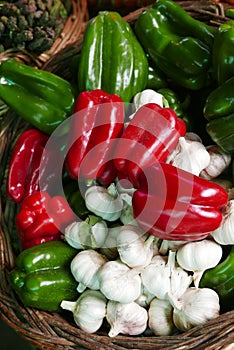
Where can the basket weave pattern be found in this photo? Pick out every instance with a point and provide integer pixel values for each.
(53, 330)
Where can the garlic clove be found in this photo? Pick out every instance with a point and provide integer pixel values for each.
(130, 319)
(161, 317)
(118, 282)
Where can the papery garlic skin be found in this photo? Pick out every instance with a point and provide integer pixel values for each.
(81, 235)
(190, 156)
(118, 282)
(145, 298)
(130, 319)
(88, 311)
(224, 234)
(161, 317)
(84, 268)
(195, 307)
(106, 203)
(134, 247)
(199, 256)
(219, 161)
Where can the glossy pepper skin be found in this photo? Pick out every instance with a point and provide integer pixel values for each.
(173, 204)
(219, 110)
(178, 44)
(22, 179)
(223, 48)
(112, 59)
(42, 278)
(97, 123)
(42, 218)
(149, 137)
(221, 279)
(41, 98)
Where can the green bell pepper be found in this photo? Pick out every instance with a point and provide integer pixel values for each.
(223, 52)
(221, 279)
(156, 78)
(42, 277)
(178, 44)
(112, 59)
(219, 110)
(41, 98)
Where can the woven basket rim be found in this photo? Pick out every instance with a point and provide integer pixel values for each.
(50, 330)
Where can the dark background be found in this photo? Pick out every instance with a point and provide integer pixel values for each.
(10, 340)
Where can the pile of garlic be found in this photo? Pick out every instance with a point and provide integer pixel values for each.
(136, 282)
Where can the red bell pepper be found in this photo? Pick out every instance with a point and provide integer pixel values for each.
(42, 218)
(22, 178)
(149, 137)
(98, 122)
(176, 205)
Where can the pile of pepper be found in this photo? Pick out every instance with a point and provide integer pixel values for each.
(176, 56)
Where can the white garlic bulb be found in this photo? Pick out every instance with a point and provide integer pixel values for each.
(156, 277)
(195, 307)
(224, 234)
(166, 245)
(84, 268)
(146, 96)
(162, 276)
(219, 161)
(88, 311)
(145, 298)
(90, 233)
(191, 156)
(104, 202)
(199, 256)
(118, 282)
(161, 317)
(130, 319)
(134, 247)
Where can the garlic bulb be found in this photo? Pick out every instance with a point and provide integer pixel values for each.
(224, 234)
(134, 247)
(130, 319)
(162, 276)
(146, 96)
(191, 156)
(219, 161)
(118, 282)
(104, 202)
(161, 317)
(127, 216)
(198, 257)
(90, 233)
(88, 311)
(195, 307)
(84, 268)
(156, 277)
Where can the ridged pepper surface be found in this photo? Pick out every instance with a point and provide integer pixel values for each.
(112, 59)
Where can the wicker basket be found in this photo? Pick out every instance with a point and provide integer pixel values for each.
(53, 330)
